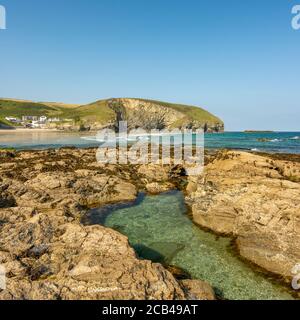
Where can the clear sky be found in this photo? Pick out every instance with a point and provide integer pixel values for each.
(238, 59)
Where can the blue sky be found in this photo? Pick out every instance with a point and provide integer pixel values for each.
(238, 59)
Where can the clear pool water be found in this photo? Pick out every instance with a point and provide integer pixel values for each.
(159, 229)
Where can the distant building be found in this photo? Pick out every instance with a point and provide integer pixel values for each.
(43, 119)
(53, 120)
(11, 119)
(29, 118)
(35, 124)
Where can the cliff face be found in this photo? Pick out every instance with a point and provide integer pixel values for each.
(147, 114)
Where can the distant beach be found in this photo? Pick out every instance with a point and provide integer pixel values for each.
(22, 130)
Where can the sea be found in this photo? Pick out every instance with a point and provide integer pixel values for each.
(273, 142)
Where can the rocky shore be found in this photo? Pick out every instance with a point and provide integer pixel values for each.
(48, 254)
(255, 199)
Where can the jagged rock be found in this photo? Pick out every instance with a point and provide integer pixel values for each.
(156, 188)
(197, 290)
(84, 263)
(7, 200)
(154, 172)
(49, 254)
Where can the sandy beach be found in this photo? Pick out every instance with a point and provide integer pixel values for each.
(22, 130)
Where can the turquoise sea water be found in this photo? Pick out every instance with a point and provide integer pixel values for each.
(159, 230)
(285, 142)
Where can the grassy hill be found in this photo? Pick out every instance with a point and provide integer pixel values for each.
(20, 108)
(96, 112)
(191, 112)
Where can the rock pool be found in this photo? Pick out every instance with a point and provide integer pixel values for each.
(159, 230)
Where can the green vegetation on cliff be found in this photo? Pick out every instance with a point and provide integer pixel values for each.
(98, 111)
(192, 113)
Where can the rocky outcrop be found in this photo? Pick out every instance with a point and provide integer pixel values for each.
(150, 115)
(144, 115)
(48, 254)
(255, 199)
(47, 257)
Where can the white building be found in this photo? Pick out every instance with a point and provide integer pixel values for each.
(11, 119)
(43, 119)
(35, 124)
(29, 118)
(53, 120)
